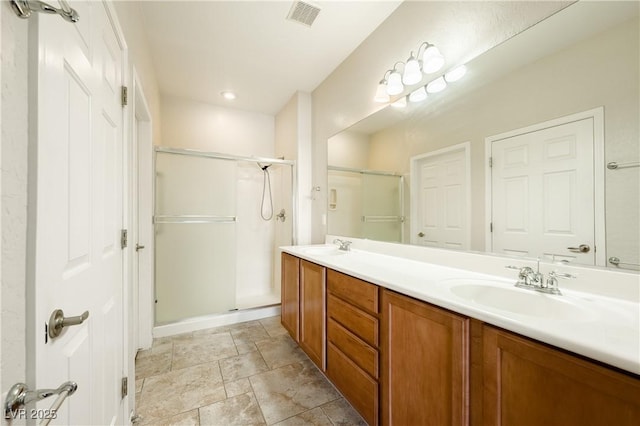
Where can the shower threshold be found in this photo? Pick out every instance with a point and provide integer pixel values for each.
(215, 320)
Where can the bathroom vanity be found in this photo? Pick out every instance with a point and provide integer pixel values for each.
(408, 343)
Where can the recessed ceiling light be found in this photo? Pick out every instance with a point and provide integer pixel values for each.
(228, 95)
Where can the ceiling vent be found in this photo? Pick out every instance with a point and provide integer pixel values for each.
(303, 13)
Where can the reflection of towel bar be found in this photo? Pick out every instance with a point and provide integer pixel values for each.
(194, 219)
(377, 219)
(616, 261)
(613, 166)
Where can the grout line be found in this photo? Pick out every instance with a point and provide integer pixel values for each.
(253, 392)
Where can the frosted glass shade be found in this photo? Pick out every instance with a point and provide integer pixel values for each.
(412, 73)
(418, 95)
(455, 74)
(437, 85)
(432, 60)
(394, 84)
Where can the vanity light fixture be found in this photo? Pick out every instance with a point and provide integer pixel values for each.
(455, 74)
(394, 82)
(412, 73)
(418, 95)
(432, 59)
(427, 60)
(437, 85)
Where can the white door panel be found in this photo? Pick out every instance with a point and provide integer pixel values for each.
(78, 198)
(441, 217)
(543, 192)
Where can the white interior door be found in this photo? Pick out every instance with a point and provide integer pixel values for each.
(77, 184)
(542, 186)
(440, 186)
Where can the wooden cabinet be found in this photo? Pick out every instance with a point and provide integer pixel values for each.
(529, 383)
(424, 375)
(290, 295)
(352, 348)
(313, 312)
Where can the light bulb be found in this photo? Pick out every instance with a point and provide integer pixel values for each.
(418, 95)
(381, 93)
(228, 95)
(455, 74)
(437, 85)
(432, 60)
(394, 84)
(412, 73)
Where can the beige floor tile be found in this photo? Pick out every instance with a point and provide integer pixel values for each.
(241, 366)
(245, 348)
(251, 334)
(202, 349)
(315, 417)
(239, 410)
(291, 390)
(340, 412)
(237, 387)
(182, 390)
(151, 364)
(273, 326)
(190, 418)
(280, 351)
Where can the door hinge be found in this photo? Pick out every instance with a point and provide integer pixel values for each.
(123, 238)
(125, 96)
(490, 161)
(490, 226)
(125, 387)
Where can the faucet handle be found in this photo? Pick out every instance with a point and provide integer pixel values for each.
(555, 274)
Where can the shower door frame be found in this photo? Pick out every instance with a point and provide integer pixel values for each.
(230, 157)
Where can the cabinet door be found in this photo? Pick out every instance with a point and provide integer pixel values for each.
(424, 377)
(312, 312)
(290, 295)
(528, 383)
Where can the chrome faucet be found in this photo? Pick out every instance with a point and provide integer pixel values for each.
(343, 244)
(531, 280)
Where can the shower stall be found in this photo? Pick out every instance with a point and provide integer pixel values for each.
(219, 220)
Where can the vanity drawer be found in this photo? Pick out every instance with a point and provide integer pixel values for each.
(353, 319)
(358, 388)
(355, 348)
(355, 291)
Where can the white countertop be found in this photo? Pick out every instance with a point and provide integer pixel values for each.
(599, 327)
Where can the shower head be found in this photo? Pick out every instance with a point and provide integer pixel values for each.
(264, 168)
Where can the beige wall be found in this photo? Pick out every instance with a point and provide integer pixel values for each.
(131, 21)
(349, 149)
(206, 127)
(286, 130)
(462, 30)
(600, 71)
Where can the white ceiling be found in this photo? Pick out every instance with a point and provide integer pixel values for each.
(202, 48)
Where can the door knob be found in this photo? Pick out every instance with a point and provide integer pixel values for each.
(58, 321)
(420, 234)
(582, 248)
(139, 247)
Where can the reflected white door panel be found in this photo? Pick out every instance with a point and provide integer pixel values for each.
(542, 186)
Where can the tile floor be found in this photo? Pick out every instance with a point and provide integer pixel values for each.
(250, 373)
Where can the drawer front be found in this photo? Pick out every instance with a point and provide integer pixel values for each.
(358, 388)
(355, 291)
(355, 348)
(360, 323)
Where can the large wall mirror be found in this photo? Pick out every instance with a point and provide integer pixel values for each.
(534, 153)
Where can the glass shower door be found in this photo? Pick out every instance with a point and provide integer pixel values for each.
(382, 207)
(195, 226)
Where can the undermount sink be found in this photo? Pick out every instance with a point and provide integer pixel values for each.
(324, 251)
(499, 296)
